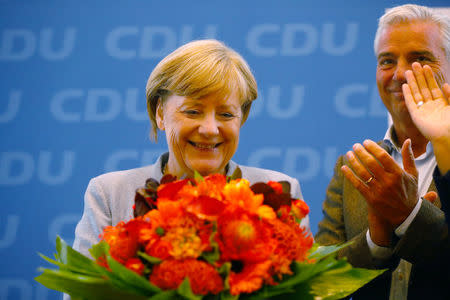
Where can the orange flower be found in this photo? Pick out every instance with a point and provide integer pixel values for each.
(243, 237)
(293, 243)
(122, 244)
(204, 279)
(238, 194)
(135, 265)
(250, 279)
(299, 209)
(184, 241)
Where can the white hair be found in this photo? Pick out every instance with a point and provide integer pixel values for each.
(412, 12)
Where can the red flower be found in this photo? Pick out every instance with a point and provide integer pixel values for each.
(169, 190)
(276, 186)
(160, 249)
(135, 265)
(204, 279)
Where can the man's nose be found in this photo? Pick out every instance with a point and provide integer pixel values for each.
(400, 69)
(209, 125)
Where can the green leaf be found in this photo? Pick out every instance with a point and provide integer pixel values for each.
(72, 259)
(151, 259)
(130, 279)
(166, 295)
(227, 296)
(83, 287)
(224, 270)
(304, 271)
(198, 177)
(100, 249)
(341, 282)
(72, 268)
(237, 174)
(319, 252)
(214, 255)
(185, 290)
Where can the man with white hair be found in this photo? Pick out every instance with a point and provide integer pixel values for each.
(382, 195)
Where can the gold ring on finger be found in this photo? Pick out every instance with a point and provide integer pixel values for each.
(369, 180)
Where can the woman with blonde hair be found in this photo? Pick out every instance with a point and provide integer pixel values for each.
(199, 95)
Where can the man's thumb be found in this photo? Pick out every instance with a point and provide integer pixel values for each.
(408, 159)
(430, 196)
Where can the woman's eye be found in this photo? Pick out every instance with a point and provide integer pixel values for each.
(227, 115)
(191, 112)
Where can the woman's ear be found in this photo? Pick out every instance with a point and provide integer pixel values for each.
(160, 115)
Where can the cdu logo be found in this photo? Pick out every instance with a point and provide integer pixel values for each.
(151, 41)
(18, 168)
(21, 44)
(12, 107)
(98, 105)
(9, 236)
(124, 159)
(276, 105)
(358, 101)
(303, 163)
(300, 39)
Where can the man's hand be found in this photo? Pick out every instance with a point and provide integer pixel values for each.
(432, 117)
(390, 192)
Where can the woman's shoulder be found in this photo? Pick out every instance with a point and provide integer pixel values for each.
(135, 177)
(254, 174)
(126, 175)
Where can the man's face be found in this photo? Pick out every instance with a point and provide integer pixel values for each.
(399, 46)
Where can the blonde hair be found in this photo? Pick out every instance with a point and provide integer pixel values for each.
(199, 69)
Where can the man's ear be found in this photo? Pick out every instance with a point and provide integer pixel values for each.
(160, 115)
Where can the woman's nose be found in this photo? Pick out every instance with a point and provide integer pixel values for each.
(209, 125)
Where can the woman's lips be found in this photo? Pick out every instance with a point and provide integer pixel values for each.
(205, 146)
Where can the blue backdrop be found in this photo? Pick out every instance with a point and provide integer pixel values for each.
(72, 106)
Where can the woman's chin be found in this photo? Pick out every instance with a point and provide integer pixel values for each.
(207, 168)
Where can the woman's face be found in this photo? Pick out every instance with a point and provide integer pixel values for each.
(202, 134)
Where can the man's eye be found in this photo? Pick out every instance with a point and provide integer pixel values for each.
(423, 59)
(386, 62)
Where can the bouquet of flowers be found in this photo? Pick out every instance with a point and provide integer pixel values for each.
(212, 238)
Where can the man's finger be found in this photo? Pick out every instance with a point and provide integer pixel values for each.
(408, 159)
(355, 181)
(369, 162)
(446, 89)
(421, 81)
(382, 156)
(432, 83)
(409, 99)
(357, 167)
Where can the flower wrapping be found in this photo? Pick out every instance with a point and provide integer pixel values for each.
(214, 238)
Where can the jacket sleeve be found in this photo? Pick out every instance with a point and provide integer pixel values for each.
(426, 240)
